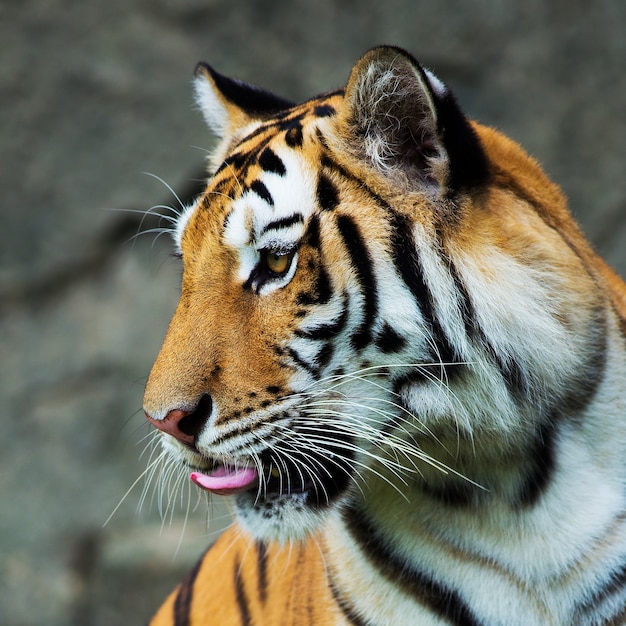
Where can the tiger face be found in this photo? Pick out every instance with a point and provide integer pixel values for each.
(380, 300)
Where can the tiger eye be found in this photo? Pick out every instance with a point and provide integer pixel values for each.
(277, 262)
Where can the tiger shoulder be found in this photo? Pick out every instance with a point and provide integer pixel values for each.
(399, 358)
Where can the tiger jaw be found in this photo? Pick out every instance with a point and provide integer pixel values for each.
(280, 495)
(274, 479)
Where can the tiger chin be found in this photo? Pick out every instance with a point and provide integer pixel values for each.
(399, 358)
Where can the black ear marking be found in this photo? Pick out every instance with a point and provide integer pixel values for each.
(468, 164)
(256, 102)
(407, 124)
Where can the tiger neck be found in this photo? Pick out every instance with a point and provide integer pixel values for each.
(531, 517)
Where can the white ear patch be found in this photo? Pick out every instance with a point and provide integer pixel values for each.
(436, 85)
(211, 106)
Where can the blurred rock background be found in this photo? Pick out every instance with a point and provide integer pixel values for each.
(92, 94)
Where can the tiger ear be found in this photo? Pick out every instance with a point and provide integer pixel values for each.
(404, 121)
(228, 104)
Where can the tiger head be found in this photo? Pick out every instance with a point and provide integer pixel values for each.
(372, 285)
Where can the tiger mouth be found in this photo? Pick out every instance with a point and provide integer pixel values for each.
(226, 480)
(272, 480)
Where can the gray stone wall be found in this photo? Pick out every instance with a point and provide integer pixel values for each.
(93, 94)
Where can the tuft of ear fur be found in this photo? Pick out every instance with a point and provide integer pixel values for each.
(228, 104)
(404, 121)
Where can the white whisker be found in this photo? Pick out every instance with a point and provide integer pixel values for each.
(169, 188)
(123, 498)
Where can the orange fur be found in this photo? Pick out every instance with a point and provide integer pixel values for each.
(225, 341)
(236, 584)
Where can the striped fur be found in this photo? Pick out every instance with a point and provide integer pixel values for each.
(388, 313)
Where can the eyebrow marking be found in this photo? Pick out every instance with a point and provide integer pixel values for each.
(261, 190)
(284, 222)
(271, 162)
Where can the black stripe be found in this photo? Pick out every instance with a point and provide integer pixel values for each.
(389, 341)
(286, 120)
(330, 164)
(324, 355)
(322, 290)
(327, 193)
(347, 611)
(184, 595)
(615, 584)
(234, 161)
(457, 494)
(284, 222)
(261, 552)
(262, 191)
(469, 166)
(243, 603)
(466, 305)
(590, 376)
(362, 263)
(515, 377)
(309, 367)
(321, 138)
(225, 188)
(269, 161)
(622, 325)
(293, 136)
(542, 458)
(442, 600)
(324, 110)
(327, 331)
(542, 454)
(312, 236)
(408, 265)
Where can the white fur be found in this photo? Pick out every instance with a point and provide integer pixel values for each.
(211, 105)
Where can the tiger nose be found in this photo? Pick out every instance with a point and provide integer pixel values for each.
(185, 425)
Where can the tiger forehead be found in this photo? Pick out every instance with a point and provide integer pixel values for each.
(247, 201)
(293, 128)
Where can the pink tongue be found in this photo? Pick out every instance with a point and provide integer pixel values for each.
(226, 480)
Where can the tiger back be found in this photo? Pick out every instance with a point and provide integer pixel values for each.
(399, 358)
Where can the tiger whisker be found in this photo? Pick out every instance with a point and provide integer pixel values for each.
(162, 460)
(386, 415)
(309, 470)
(152, 439)
(385, 439)
(152, 211)
(169, 188)
(158, 231)
(338, 443)
(186, 520)
(135, 482)
(232, 171)
(292, 435)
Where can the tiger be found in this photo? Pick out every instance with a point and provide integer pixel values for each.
(399, 359)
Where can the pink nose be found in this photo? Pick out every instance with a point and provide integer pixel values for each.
(170, 424)
(185, 425)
